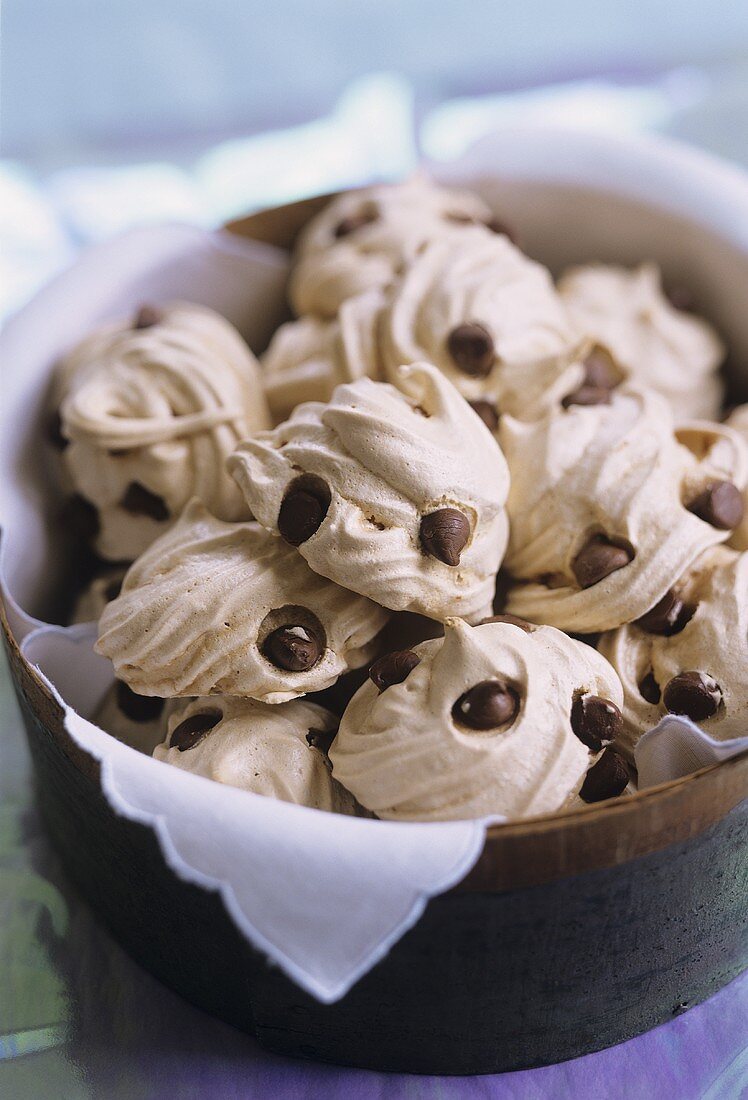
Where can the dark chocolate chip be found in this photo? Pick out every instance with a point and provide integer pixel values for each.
(113, 589)
(649, 689)
(720, 504)
(353, 222)
(513, 620)
(694, 694)
(606, 779)
(488, 705)
(471, 348)
(321, 739)
(82, 517)
(140, 501)
(600, 370)
(444, 534)
(303, 508)
(393, 668)
(668, 616)
(488, 413)
(54, 432)
(138, 708)
(595, 721)
(587, 395)
(293, 648)
(597, 559)
(146, 317)
(193, 729)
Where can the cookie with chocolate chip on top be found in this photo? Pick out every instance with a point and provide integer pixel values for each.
(504, 718)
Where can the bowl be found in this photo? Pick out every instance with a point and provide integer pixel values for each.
(572, 932)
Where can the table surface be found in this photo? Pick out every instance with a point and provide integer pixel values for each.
(79, 1019)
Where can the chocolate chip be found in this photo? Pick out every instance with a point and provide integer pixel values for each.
(649, 689)
(353, 222)
(472, 349)
(720, 504)
(113, 589)
(146, 317)
(598, 558)
(489, 704)
(303, 508)
(193, 729)
(321, 739)
(54, 432)
(138, 708)
(587, 395)
(444, 534)
(600, 370)
(513, 620)
(488, 413)
(393, 668)
(694, 694)
(667, 617)
(82, 517)
(293, 648)
(681, 298)
(140, 501)
(606, 779)
(595, 721)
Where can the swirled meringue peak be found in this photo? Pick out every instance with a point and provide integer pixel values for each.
(362, 239)
(214, 607)
(738, 421)
(608, 508)
(309, 357)
(280, 751)
(673, 351)
(689, 654)
(150, 407)
(397, 494)
(480, 722)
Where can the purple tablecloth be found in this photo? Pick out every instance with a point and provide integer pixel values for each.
(78, 1019)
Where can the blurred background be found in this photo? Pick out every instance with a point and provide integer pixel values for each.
(125, 111)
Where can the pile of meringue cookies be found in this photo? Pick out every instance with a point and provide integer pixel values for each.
(448, 549)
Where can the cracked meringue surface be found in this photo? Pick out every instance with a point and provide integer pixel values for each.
(363, 239)
(673, 351)
(278, 751)
(150, 408)
(415, 750)
(226, 608)
(692, 662)
(397, 494)
(604, 507)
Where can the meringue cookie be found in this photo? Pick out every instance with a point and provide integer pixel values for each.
(362, 239)
(397, 494)
(489, 318)
(416, 751)
(215, 607)
(97, 594)
(151, 408)
(738, 421)
(674, 352)
(270, 750)
(599, 508)
(135, 720)
(309, 357)
(704, 632)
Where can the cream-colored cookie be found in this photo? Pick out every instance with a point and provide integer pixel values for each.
(608, 509)
(100, 591)
(738, 421)
(150, 407)
(136, 720)
(397, 494)
(501, 719)
(226, 608)
(309, 357)
(280, 751)
(676, 353)
(689, 655)
(489, 318)
(363, 239)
